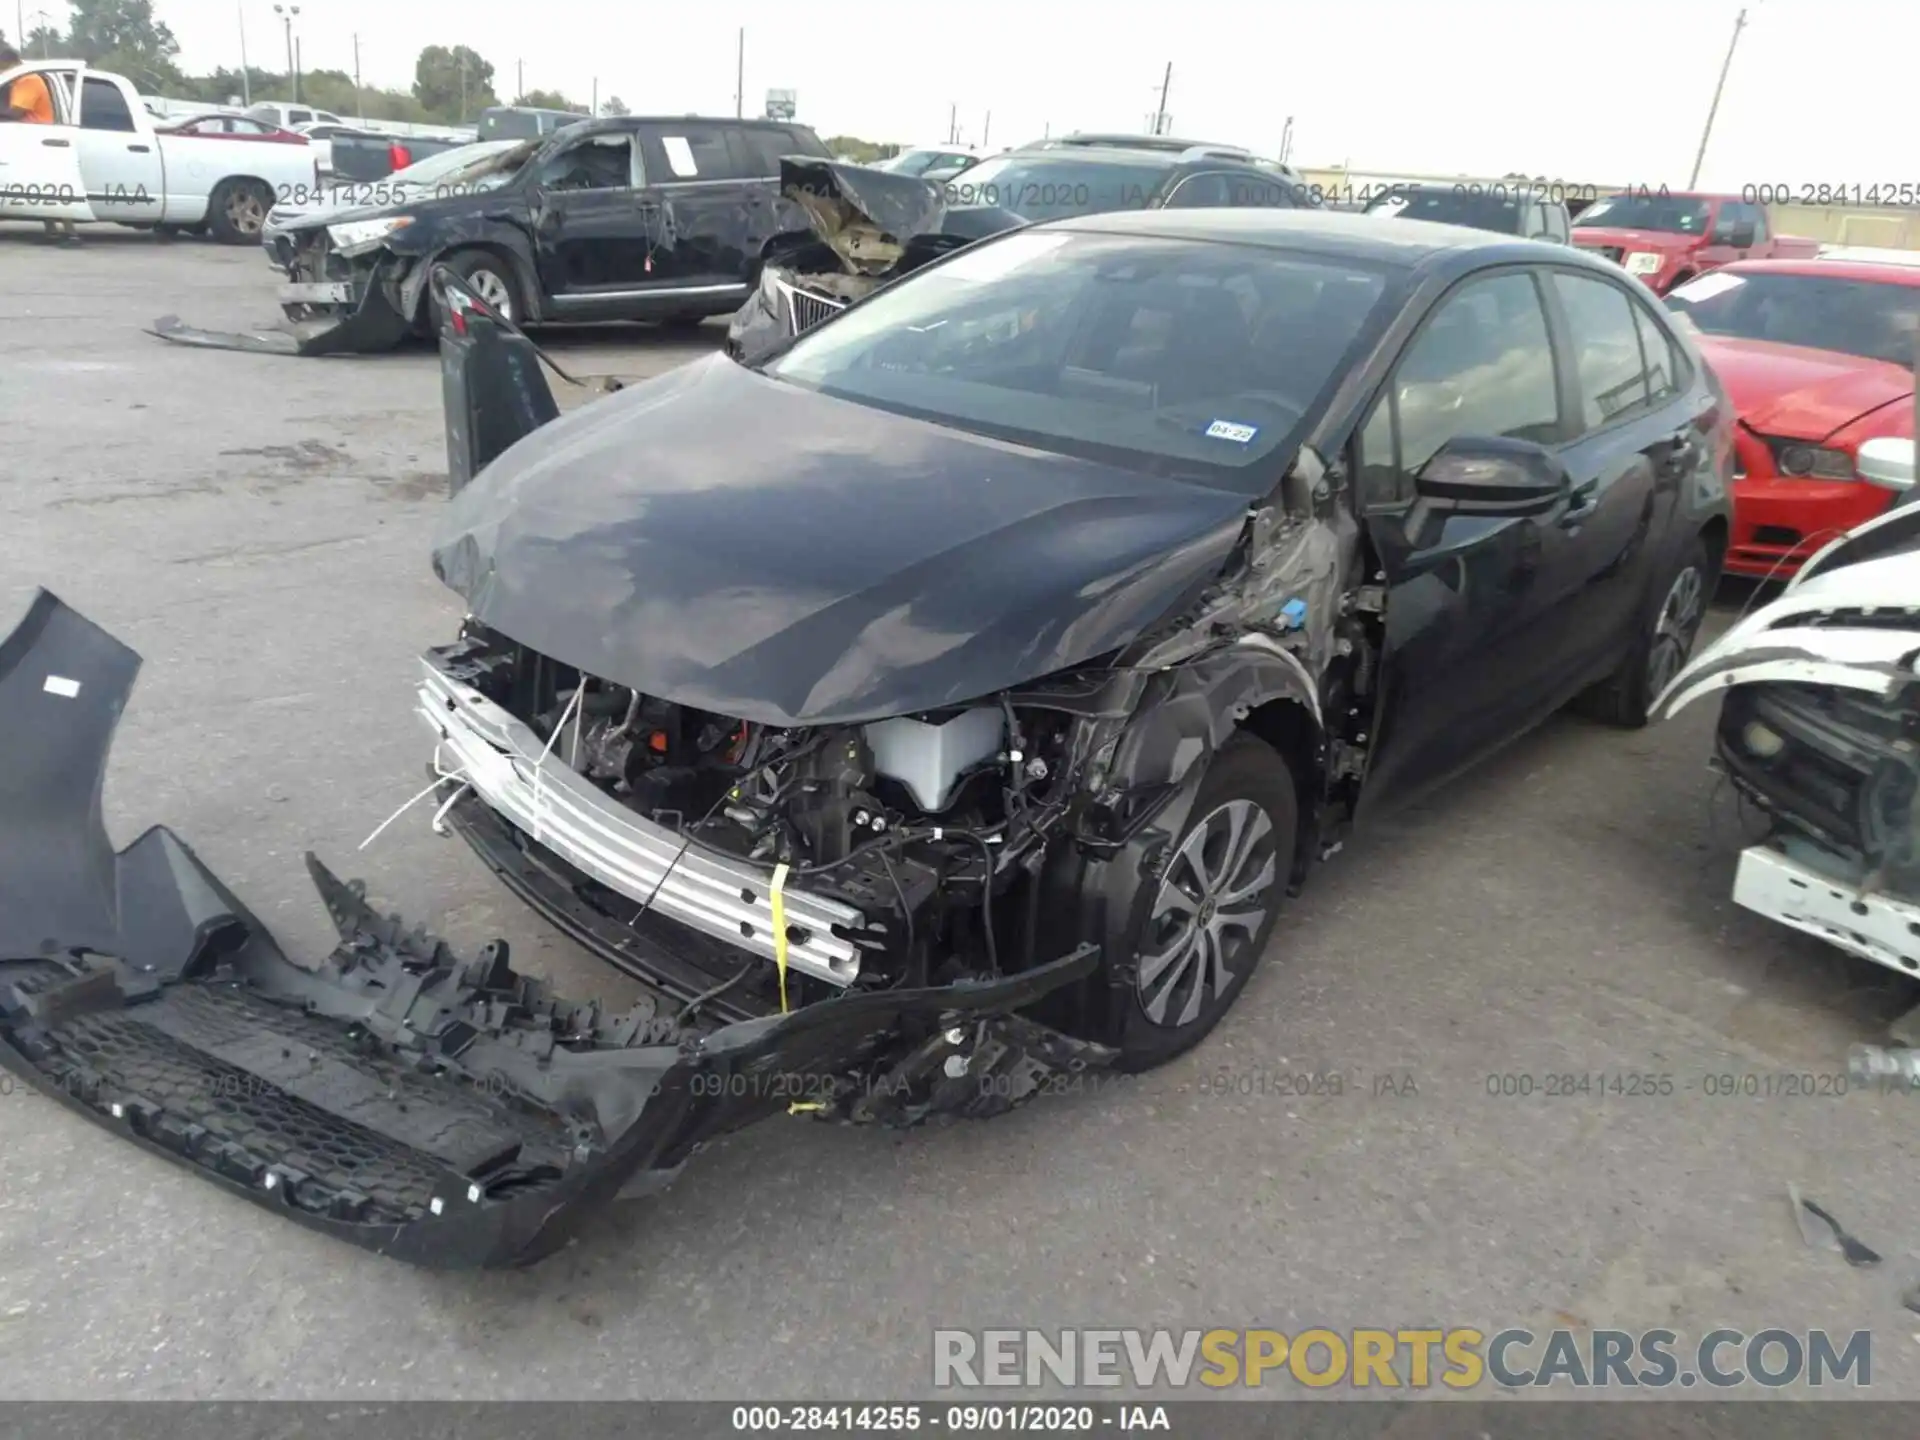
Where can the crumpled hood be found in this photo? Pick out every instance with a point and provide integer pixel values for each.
(1798, 393)
(865, 215)
(727, 541)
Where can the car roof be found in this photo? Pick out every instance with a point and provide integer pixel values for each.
(1883, 272)
(1410, 244)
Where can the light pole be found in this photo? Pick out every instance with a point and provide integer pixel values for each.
(286, 14)
(42, 22)
(1739, 24)
(246, 80)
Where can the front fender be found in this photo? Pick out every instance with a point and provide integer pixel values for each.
(498, 236)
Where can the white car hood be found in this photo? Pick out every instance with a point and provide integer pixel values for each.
(1805, 637)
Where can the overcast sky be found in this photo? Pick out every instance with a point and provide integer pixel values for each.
(1821, 91)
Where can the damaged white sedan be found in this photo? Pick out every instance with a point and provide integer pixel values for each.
(1820, 728)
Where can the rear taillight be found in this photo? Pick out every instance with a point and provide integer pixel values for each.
(400, 156)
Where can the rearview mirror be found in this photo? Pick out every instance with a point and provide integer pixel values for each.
(1887, 462)
(1492, 475)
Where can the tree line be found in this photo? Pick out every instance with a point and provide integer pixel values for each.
(451, 83)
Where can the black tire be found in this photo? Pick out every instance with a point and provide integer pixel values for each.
(237, 211)
(490, 278)
(1660, 648)
(1248, 772)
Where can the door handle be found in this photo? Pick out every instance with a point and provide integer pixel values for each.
(1580, 507)
(138, 149)
(58, 144)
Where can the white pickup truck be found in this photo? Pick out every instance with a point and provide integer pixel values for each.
(103, 160)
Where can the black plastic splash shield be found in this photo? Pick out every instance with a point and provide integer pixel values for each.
(448, 1113)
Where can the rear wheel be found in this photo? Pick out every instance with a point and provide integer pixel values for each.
(1205, 922)
(1662, 648)
(237, 211)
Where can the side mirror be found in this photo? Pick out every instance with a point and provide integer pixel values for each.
(1741, 236)
(1887, 462)
(1494, 476)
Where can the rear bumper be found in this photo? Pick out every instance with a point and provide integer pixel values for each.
(449, 1113)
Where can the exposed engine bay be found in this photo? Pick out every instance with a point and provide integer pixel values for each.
(902, 819)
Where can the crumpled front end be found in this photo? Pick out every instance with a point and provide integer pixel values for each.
(334, 304)
(445, 1111)
(1820, 729)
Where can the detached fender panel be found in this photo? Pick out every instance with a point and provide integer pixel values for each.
(446, 1112)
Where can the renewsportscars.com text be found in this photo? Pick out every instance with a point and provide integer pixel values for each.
(1459, 1358)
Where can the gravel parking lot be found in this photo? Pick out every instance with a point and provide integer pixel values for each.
(258, 528)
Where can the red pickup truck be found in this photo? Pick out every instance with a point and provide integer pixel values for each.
(1665, 238)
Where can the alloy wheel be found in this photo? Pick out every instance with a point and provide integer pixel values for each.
(245, 210)
(1673, 633)
(491, 289)
(1208, 913)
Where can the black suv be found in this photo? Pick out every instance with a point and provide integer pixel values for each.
(1505, 210)
(810, 275)
(633, 218)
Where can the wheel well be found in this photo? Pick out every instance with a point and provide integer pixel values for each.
(1289, 728)
(242, 180)
(485, 247)
(1681, 278)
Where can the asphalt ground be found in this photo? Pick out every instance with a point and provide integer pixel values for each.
(257, 528)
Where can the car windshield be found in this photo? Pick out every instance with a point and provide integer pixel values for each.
(453, 164)
(1051, 187)
(1675, 214)
(1874, 320)
(1479, 210)
(1186, 358)
(918, 162)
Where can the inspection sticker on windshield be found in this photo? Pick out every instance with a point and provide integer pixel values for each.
(1232, 430)
(63, 687)
(1708, 286)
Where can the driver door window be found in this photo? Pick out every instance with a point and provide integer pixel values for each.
(603, 163)
(1482, 364)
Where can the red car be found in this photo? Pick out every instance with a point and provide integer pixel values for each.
(234, 127)
(1665, 239)
(1818, 358)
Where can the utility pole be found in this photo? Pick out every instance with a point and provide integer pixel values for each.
(286, 14)
(986, 129)
(953, 124)
(463, 84)
(740, 76)
(1286, 140)
(593, 105)
(519, 80)
(296, 67)
(359, 109)
(1160, 115)
(1739, 24)
(246, 79)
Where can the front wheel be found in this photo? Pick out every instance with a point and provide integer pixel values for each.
(490, 279)
(1661, 650)
(1203, 924)
(237, 211)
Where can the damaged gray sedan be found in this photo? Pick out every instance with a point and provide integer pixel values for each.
(942, 708)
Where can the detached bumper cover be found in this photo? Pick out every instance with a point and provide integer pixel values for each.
(364, 315)
(1829, 905)
(445, 1112)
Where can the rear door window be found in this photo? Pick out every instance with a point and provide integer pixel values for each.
(1606, 346)
(103, 107)
(692, 152)
(1200, 192)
